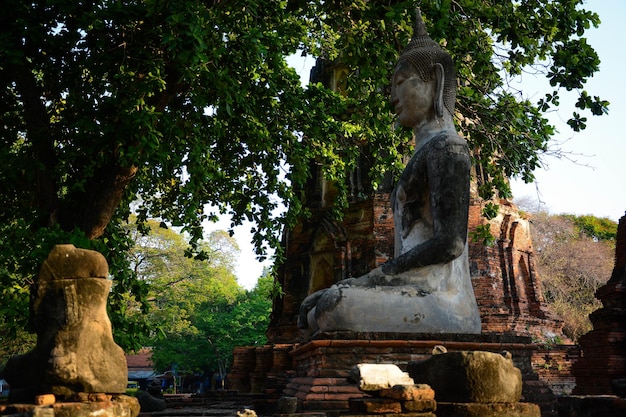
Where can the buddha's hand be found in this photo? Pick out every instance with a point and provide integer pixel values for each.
(372, 278)
(307, 305)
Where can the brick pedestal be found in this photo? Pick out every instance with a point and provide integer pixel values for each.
(323, 365)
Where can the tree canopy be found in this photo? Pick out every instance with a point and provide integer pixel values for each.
(188, 110)
(195, 311)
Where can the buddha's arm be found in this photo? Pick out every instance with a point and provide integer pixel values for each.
(448, 171)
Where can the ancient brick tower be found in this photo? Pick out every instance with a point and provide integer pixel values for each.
(604, 348)
(321, 250)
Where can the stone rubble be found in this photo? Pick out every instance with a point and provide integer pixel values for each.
(391, 391)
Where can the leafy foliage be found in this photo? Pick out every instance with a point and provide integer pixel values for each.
(239, 323)
(572, 263)
(594, 227)
(195, 309)
(216, 329)
(189, 108)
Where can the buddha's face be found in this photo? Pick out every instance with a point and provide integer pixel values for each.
(411, 98)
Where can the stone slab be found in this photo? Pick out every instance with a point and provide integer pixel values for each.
(409, 392)
(375, 406)
(470, 376)
(487, 410)
(121, 406)
(419, 406)
(378, 376)
(592, 406)
(392, 415)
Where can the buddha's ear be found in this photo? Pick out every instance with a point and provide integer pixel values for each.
(439, 83)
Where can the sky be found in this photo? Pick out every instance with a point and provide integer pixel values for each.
(589, 177)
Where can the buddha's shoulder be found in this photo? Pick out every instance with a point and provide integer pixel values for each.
(447, 139)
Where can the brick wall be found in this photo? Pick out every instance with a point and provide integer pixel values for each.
(321, 251)
(604, 348)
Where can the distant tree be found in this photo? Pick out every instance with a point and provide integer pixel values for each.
(215, 329)
(196, 311)
(177, 285)
(599, 228)
(239, 323)
(573, 261)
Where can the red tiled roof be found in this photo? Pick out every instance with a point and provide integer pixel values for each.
(140, 360)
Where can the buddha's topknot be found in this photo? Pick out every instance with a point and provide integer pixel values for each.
(423, 53)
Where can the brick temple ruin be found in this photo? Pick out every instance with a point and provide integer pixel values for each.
(322, 250)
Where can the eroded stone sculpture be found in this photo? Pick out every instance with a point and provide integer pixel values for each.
(426, 288)
(75, 351)
(470, 376)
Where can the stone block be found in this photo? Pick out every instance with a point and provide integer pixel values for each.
(69, 262)
(375, 406)
(592, 406)
(75, 350)
(488, 410)
(470, 377)
(92, 397)
(408, 392)
(149, 403)
(287, 405)
(325, 405)
(411, 414)
(374, 377)
(419, 405)
(45, 399)
(119, 406)
(311, 414)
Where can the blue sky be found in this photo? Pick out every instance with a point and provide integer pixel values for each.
(591, 179)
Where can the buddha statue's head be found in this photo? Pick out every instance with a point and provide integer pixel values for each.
(431, 63)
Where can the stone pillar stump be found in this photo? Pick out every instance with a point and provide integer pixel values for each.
(75, 351)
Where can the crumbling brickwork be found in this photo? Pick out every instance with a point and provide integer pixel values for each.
(604, 348)
(322, 251)
(506, 285)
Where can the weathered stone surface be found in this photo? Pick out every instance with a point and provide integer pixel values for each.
(488, 410)
(375, 377)
(92, 397)
(119, 406)
(69, 262)
(591, 406)
(287, 405)
(402, 309)
(407, 414)
(75, 350)
(408, 392)
(419, 405)
(309, 414)
(470, 376)
(149, 403)
(45, 399)
(375, 406)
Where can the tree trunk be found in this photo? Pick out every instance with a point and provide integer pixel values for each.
(92, 210)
